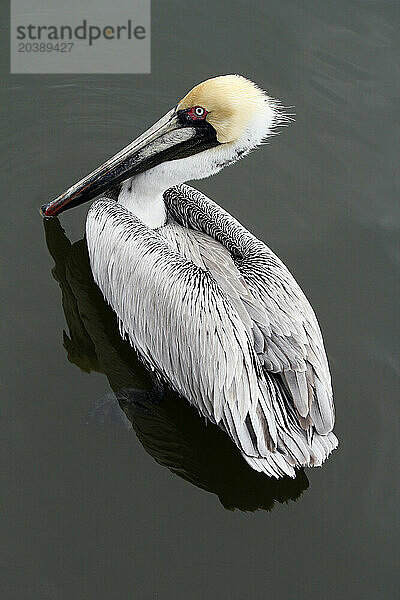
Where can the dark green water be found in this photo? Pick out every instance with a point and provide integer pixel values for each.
(87, 512)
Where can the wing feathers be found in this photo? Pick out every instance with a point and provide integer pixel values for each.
(224, 322)
(280, 312)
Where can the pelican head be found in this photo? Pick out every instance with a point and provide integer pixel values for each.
(216, 123)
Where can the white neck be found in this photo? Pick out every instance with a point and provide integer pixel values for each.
(144, 198)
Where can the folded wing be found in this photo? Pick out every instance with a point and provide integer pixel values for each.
(286, 334)
(185, 328)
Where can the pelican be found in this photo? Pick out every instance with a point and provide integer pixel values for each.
(207, 306)
(168, 428)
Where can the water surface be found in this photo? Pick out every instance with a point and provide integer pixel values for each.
(96, 506)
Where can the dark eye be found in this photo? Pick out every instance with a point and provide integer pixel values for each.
(198, 112)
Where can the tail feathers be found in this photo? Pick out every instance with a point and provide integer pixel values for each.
(284, 462)
(274, 465)
(295, 446)
(321, 447)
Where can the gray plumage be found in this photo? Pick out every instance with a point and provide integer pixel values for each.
(218, 316)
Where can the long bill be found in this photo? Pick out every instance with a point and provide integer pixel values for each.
(169, 139)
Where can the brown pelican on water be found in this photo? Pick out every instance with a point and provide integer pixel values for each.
(207, 306)
(168, 428)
